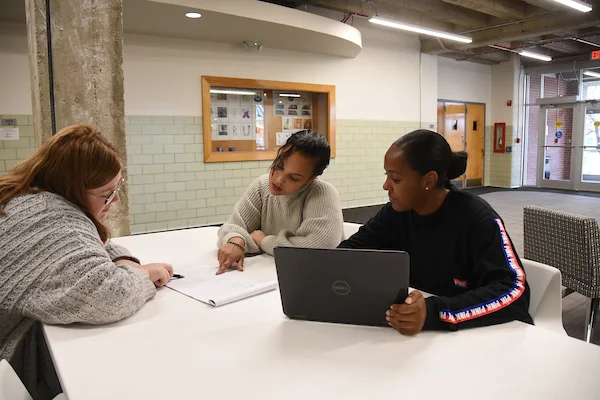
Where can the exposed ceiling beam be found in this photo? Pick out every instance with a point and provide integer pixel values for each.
(565, 46)
(507, 9)
(388, 12)
(440, 11)
(499, 56)
(522, 30)
(474, 59)
(481, 52)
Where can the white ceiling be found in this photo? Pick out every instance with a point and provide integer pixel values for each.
(230, 21)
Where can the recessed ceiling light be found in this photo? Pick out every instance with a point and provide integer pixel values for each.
(193, 15)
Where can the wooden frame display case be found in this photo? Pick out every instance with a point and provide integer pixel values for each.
(248, 119)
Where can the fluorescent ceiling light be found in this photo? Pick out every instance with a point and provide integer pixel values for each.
(590, 73)
(524, 53)
(228, 91)
(193, 15)
(587, 42)
(537, 56)
(421, 30)
(288, 95)
(576, 4)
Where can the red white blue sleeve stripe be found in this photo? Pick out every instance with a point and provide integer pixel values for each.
(498, 303)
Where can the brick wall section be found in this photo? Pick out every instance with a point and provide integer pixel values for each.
(171, 187)
(573, 88)
(13, 151)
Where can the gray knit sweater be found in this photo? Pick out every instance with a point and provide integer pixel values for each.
(55, 269)
(311, 217)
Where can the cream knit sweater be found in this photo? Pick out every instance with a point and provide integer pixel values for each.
(55, 269)
(311, 217)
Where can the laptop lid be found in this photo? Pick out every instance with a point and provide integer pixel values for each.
(341, 285)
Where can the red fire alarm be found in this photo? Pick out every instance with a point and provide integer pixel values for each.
(508, 103)
(555, 140)
(518, 140)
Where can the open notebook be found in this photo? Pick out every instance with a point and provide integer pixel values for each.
(202, 284)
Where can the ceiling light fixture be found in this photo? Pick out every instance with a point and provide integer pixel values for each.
(229, 91)
(537, 56)
(590, 73)
(576, 4)
(421, 30)
(250, 44)
(193, 15)
(523, 53)
(587, 42)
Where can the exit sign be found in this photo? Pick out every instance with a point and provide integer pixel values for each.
(595, 55)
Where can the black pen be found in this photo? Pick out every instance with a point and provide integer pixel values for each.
(177, 276)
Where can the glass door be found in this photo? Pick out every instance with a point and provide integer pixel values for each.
(557, 154)
(588, 149)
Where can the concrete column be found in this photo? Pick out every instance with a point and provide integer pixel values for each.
(40, 70)
(84, 71)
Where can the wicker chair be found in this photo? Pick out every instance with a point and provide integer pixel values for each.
(570, 243)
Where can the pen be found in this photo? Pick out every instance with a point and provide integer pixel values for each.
(177, 276)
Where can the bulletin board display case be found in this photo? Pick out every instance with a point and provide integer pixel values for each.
(248, 119)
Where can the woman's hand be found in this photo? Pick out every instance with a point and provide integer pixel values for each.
(230, 253)
(408, 318)
(159, 273)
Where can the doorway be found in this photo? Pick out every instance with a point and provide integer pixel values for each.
(462, 124)
(569, 147)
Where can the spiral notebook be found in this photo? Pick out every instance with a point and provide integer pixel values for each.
(216, 290)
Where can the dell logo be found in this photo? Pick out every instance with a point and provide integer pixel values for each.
(340, 287)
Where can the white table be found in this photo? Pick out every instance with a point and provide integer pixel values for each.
(179, 348)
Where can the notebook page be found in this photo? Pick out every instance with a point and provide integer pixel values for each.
(203, 284)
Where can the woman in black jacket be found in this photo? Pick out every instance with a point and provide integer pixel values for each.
(458, 245)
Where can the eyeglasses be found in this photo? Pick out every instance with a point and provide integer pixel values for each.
(113, 194)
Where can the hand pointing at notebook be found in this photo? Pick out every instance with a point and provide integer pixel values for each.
(230, 252)
(408, 318)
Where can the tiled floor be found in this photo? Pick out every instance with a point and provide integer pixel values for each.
(509, 204)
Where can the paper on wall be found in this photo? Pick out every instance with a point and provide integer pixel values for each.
(9, 133)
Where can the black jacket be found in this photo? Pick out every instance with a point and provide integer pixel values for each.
(462, 254)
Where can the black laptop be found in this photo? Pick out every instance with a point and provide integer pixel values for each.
(341, 285)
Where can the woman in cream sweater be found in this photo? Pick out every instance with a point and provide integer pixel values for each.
(290, 206)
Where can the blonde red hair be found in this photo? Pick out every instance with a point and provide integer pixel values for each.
(74, 160)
